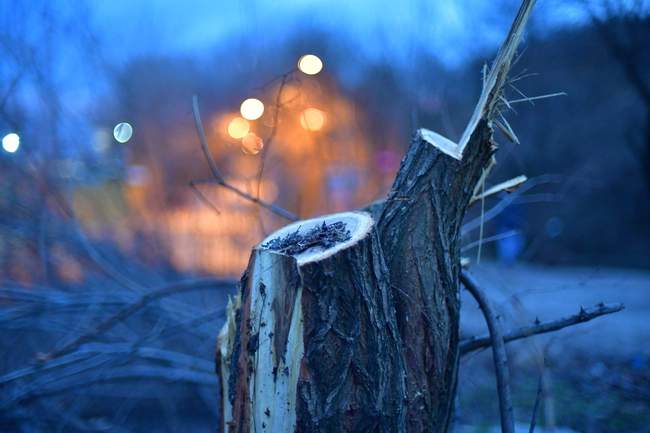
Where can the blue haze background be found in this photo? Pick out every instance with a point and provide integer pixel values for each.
(69, 69)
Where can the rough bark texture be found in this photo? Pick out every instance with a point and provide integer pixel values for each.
(364, 337)
(419, 228)
(352, 378)
(344, 372)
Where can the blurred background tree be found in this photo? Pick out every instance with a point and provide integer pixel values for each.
(82, 213)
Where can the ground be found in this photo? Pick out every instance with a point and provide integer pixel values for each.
(597, 374)
(523, 293)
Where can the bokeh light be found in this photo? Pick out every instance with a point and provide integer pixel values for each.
(251, 144)
(312, 119)
(310, 64)
(252, 109)
(238, 127)
(123, 132)
(11, 142)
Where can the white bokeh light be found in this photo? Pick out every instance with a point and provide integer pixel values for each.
(11, 142)
(310, 64)
(252, 109)
(122, 132)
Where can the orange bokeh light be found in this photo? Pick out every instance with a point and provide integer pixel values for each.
(238, 127)
(251, 144)
(312, 119)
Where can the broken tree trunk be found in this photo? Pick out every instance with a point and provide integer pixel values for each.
(349, 322)
(419, 226)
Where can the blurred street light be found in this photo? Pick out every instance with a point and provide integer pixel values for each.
(252, 109)
(251, 144)
(123, 132)
(238, 127)
(11, 142)
(312, 119)
(310, 64)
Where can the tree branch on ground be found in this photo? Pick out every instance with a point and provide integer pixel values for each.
(120, 316)
(585, 315)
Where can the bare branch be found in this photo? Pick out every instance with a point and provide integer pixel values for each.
(278, 210)
(585, 315)
(536, 98)
(172, 289)
(480, 185)
(493, 238)
(274, 129)
(538, 397)
(204, 141)
(123, 374)
(202, 197)
(498, 352)
(508, 186)
(496, 210)
(523, 75)
(174, 358)
(220, 180)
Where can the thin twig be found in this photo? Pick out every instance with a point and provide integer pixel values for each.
(120, 316)
(276, 78)
(480, 185)
(496, 210)
(219, 179)
(506, 129)
(124, 374)
(538, 397)
(493, 238)
(535, 98)
(274, 129)
(585, 315)
(202, 196)
(508, 186)
(516, 89)
(278, 210)
(198, 124)
(480, 235)
(523, 75)
(498, 352)
(95, 349)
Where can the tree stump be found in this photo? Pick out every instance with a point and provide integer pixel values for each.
(349, 322)
(314, 346)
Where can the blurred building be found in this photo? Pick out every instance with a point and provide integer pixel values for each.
(307, 153)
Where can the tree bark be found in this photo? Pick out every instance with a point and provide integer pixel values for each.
(419, 228)
(315, 346)
(358, 334)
